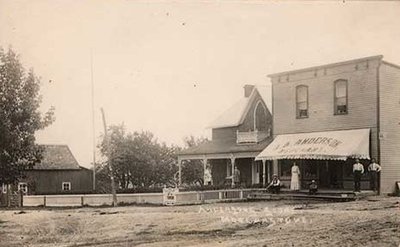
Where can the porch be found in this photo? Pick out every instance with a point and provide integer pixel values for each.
(328, 174)
(222, 167)
(223, 155)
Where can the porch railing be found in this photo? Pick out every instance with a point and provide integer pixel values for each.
(251, 136)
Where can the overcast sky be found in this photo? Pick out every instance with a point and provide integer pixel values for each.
(171, 67)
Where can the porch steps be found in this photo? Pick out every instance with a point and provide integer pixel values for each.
(303, 195)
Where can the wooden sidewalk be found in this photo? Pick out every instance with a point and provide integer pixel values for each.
(329, 195)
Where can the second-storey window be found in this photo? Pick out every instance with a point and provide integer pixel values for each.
(301, 101)
(340, 101)
(260, 117)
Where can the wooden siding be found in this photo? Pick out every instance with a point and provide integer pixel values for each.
(224, 133)
(362, 98)
(248, 123)
(389, 126)
(50, 181)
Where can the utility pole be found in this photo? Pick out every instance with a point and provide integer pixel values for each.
(109, 154)
(93, 124)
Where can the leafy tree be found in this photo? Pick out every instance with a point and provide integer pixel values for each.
(138, 160)
(193, 170)
(20, 118)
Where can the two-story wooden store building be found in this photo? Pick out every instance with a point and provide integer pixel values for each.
(238, 136)
(326, 116)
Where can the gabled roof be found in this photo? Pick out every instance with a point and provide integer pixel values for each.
(236, 114)
(57, 157)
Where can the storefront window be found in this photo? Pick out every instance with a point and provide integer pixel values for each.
(310, 170)
(285, 168)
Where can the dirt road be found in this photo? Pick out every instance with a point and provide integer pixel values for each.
(371, 222)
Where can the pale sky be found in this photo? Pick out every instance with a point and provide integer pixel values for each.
(171, 67)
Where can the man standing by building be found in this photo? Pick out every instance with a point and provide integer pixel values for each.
(358, 170)
(373, 169)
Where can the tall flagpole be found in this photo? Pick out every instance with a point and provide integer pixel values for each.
(93, 123)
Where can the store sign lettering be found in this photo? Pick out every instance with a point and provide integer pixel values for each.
(319, 140)
(306, 145)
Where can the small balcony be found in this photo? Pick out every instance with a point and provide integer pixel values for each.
(255, 136)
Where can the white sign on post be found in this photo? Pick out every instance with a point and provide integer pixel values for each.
(169, 196)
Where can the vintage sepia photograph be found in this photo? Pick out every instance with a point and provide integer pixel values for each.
(199, 123)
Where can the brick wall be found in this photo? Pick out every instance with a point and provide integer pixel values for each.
(389, 126)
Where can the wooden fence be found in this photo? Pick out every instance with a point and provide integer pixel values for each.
(182, 198)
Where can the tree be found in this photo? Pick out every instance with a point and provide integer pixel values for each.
(20, 118)
(138, 159)
(193, 170)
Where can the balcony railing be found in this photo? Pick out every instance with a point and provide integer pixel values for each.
(255, 136)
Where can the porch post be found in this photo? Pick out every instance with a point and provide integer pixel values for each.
(204, 169)
(180, 172)
(263, 171)
(275, 168)
(269, 172)
(233, 170)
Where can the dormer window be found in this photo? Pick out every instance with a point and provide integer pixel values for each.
(340, 100)
(301, 101)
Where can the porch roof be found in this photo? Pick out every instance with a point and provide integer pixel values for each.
(226, 146)
(330, 145)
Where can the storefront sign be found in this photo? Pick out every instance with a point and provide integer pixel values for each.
(319, 145)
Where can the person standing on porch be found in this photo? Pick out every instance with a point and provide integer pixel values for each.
(373, 169)
(207, 175)
(295, 180)
(358, 170)
(236, 177)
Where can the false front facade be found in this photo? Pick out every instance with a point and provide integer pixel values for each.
(327, 116)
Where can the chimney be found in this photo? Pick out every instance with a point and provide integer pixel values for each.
(247, 90)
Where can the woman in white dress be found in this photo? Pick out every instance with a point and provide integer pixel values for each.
(295, 181)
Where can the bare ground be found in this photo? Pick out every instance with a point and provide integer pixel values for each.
(374, 221)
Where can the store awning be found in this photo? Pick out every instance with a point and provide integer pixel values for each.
(330, 145)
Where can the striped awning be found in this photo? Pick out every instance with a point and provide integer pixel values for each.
(330, 145)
